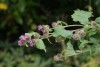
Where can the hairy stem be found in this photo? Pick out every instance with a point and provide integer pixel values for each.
(63, 44)
(73, 25)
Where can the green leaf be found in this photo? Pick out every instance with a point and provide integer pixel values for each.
(97, 19)
(83, 44)
(57, 28)
(30, 34)
(70, 50)
(54, 34)
(92, 32)
(65, 33)
(81, 16)
(40, 44)
(60, 31)
(94, 40)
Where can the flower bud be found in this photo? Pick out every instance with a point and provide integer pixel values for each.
(40, 27)
(24, 37)
(20, 42)
(36, 35)
(45, 31)
(93, 23)
(54, 24)
(31, 43)
(58, 39)
(75, 36)
(58, 57)
(82, 33)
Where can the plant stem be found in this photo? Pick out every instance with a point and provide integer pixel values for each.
(73, 25)
(63, 48)
(70, 26)
(63, 44)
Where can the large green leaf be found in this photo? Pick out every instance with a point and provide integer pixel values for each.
(97, 19)
(56, 30)
(60, 31)
(40, 44)
(70, 51)
(81, 16)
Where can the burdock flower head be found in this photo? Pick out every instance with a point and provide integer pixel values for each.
(44, 28)
(23, 39)
(32, 43)
(54, 24)
(20, 42)
(75, 37)
(45, 31)
(36, 35)
(82, 33)
(40, 27)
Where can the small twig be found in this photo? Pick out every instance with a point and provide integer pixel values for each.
(49, 41)
(73, 25)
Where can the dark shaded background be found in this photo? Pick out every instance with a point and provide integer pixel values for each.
(23, 16)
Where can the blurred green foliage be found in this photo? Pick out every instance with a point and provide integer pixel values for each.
(23, 57)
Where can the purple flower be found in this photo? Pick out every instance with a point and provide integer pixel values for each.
(45, 31)
(40, 27)
(21, 37)
(31, 43)
(20, 42)
(24, 37)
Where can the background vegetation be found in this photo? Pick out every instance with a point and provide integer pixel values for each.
(20, 16)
